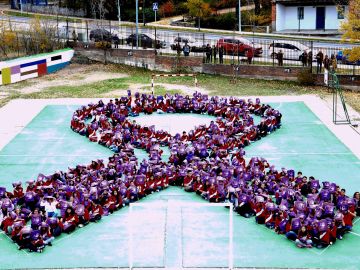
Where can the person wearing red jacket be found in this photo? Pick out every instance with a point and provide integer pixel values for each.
(303, 238)
(188, 182)
(69, 221)
(113, 202)
(260, 213)
(18, 193)
(31, 186)
(269, 219)
(348, 220)
(96, 212)
(46, 234)
(212, 194)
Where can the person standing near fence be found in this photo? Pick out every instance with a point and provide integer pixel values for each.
(249, 54)
(327, 63)
(310, 59)
(280, 58)
(208, 53)
(304, 59)
(326, 71)
(221, 55)
(319, 61)
(116, 42)
(214, 53)
(186, 49)
(333, 63)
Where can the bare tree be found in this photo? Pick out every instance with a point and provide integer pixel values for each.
(93, 6)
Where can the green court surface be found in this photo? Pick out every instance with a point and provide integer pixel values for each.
(173, 236)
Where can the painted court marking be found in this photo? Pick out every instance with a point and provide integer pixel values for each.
(15, 120)
(355, 234)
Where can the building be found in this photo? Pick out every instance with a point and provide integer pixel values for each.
(306, 15)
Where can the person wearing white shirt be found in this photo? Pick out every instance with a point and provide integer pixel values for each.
(49, 203)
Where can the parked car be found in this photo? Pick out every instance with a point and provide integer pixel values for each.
(102, 35)
(344, 59)
(180, 41)
(292, 50)
(146, 40)
(238, 46)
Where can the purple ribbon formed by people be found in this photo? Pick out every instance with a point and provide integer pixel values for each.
(208, 160)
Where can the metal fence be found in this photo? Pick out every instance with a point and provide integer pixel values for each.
(215, 48)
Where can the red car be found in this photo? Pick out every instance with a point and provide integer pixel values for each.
(235, 46)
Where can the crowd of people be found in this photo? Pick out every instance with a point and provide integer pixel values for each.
(208, 160)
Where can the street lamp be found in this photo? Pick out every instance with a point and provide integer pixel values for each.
(143, 11)
(137, 21)
(119, 14)
(239, 15)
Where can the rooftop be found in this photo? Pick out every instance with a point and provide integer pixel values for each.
(312, 2)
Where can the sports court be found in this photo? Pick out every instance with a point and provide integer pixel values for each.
(169, 232)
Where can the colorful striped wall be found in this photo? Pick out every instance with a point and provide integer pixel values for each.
(20, 69)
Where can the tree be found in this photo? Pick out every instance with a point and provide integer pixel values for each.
(198, 9)
(351, 28)
(167, 9)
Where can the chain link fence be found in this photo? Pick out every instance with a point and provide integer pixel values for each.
(214, 48)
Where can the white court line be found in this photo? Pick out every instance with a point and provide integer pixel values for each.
(321, 253)
(23, 250)
(355, 234)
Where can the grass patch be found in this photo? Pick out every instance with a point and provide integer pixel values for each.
(81, 91)
(215, 84)
(41, 16)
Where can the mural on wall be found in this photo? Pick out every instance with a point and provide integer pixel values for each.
(24, 68)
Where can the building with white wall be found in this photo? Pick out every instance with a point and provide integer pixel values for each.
(298, 15)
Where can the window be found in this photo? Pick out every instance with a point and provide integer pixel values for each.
(340, 12)
(300, 12)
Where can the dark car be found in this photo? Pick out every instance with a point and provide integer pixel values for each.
(102, 35)
(236, 46)
(145, 41)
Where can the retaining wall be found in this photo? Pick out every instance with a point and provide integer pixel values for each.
(23, 68)
(148, 59)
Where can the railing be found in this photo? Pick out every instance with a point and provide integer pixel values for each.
(215, 48)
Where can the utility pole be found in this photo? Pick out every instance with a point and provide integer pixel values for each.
(119, 14)
(143, 11)
(137, 22)
(240, 16)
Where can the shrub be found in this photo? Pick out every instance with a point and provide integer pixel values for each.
(223, 21)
